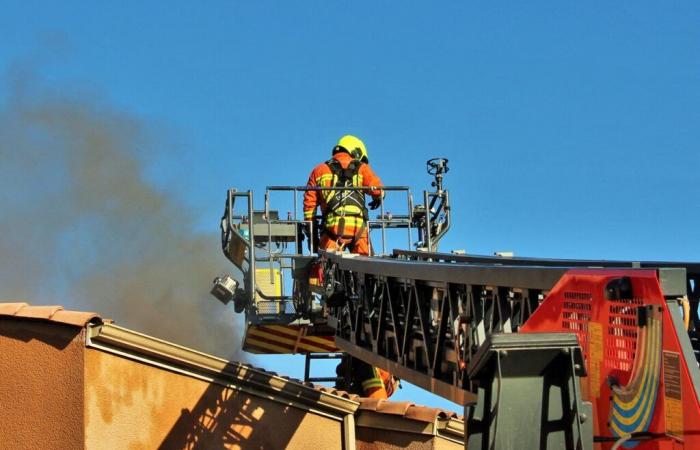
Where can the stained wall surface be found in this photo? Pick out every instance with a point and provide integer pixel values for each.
(41, 385)
(135, 406)
(59, 392)
(375, 439)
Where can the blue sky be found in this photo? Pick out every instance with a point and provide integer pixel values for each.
(571, 128)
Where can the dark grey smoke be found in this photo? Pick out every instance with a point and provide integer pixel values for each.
(82, 227)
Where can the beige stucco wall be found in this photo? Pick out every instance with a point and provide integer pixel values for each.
(133, 406)
(375, 439)
(379, 439)
(41, 385)
(447, 444)
(57, 394)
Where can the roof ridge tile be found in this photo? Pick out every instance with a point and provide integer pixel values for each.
(52, 313)
(10, 309)
(406, 409)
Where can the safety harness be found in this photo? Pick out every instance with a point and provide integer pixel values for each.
(344, 204)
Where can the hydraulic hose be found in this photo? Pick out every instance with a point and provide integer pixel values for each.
(621, 441)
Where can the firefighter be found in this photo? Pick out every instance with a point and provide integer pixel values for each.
(344, 212)
(344, 226)
(375, 382)
(360, 378)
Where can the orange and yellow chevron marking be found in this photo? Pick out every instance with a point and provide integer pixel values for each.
(264, 339)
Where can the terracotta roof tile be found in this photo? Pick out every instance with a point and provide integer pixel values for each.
(370, 403)
(334, 391)
(426, 414)
(406, 409)
(397, 408)
(9, 309)
(50, 313)
(77, 318)
(317, 387)
(38, 312)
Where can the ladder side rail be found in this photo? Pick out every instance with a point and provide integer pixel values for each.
(425, 321)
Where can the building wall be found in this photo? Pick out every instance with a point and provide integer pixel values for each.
(134, 406)
(379, 439)
(376, 439)
(445, 444)
(55, 393)
(41, 385)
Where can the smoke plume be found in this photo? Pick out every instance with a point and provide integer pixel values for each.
(81, 226)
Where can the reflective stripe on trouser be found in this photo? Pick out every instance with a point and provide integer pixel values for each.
(374, 387)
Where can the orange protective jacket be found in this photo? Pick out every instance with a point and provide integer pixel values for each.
(323, 176)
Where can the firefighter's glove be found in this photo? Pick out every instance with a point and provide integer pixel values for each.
(375, 203)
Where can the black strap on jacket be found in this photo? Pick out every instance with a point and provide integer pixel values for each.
(345, 177)
(339, 199)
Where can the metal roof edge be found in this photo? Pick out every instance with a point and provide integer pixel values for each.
(138, 346)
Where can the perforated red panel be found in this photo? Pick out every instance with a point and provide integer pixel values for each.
(651, 395)
(621, 335)
(576, 314)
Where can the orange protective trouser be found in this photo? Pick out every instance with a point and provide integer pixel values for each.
(361, 245)
(381, 383)
(379, 386)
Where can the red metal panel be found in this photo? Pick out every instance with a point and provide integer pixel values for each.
(654, 392)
